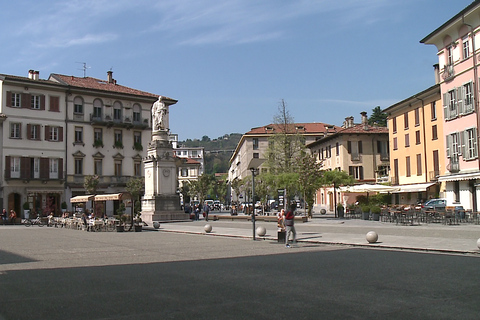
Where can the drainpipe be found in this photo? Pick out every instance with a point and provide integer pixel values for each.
(66, 146)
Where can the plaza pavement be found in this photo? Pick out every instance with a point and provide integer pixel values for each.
(434, 237)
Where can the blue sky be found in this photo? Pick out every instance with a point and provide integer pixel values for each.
(229, 63)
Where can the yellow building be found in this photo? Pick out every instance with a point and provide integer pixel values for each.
(417, 146)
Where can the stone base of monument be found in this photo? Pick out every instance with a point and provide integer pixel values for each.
(162, 208)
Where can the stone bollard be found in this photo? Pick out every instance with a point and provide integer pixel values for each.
(156, 224)
(208, 228)
(261, 231)
(372, 237)
(478, 243)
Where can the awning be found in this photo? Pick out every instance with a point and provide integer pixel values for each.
(419, 187)
(113, 196)
(361, 188)
(78, 199)
(460, 177)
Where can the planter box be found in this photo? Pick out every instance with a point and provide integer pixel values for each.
(365, 215)
(120, 228)
(138, 228)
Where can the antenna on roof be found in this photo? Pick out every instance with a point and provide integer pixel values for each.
(84, 68)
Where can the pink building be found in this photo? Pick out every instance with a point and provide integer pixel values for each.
(457, 41)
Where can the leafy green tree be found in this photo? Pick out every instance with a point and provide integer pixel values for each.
(336, 179)
(200, 187)
(310, 179)
(378, 117)
(185, 190)
(135, 188)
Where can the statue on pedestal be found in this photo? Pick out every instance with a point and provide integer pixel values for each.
(160, 115)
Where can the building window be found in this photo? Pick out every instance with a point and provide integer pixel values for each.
(78, 105)
(137, 168)
(184, 172)
(35, 104)
(417, 117)
(255, 143)
(15, 167)
(407, 140)
(466, 47)
(194, 153)
(433, 110)
(449, 55)
(78, 166)
(405, 120)
(256, 155)
(137, 137)
(356, 172)
(97, 169)
(78, 134)
(97, 109)
(434, 132)
(36, 168)
(467, 96)
(97, 134)
(470, 138)
(33, 131)
(118, 168)
(53, 168)
(15, 130)
(137, 113)
(337, 148)
(456, 191)
(53, 134)
(395, 143)
(407, 166)
(450, 105)
(419, 164)
(453, 150)
(16, 103)
(417, 137)
(118, 139)
(117, 111)
(394, 124)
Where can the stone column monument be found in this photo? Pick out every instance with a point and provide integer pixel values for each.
(161, 201)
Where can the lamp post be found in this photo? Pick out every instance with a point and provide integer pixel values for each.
(253, 166)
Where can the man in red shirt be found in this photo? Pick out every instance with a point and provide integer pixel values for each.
(291, 234)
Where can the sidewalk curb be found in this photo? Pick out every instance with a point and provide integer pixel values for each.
(366, 245)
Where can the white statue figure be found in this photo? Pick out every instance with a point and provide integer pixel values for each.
(160, 115)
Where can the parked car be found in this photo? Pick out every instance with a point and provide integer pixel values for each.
(434, 204)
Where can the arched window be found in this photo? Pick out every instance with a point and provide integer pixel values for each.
(117, 111)
(97, 109)
(78, 105)
(137, 113)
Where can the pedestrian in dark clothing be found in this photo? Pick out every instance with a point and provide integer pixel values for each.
(206, 210)
(4, 216)
(197, 212)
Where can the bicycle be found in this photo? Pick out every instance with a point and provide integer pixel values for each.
(37, 221)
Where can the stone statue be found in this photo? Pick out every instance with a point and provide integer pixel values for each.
(160, 115)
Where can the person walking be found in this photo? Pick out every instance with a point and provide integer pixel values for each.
(4, 216)
(13, 216)
(291, 234)
(197, 212)
(206, 210)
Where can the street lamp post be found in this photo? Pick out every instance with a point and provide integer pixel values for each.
(253, 166)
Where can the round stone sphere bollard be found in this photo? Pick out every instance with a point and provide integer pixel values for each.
(478, 243)
(372, 237)
(261, 231)
(156, 224)
(208, 228)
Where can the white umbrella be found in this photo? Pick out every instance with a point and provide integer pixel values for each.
(360, 188)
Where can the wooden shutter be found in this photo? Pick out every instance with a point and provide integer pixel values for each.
(29, 131)
(26, 100)
(47, 133)
(445, 107)
(449, 145)
(54, 104)
(360, 169)
(60, 133)
(25, 168)
(42, 102)
(349, 147)
(44, 168)
(60, 168)
(9, 99)
(360, 147)
(7, 167)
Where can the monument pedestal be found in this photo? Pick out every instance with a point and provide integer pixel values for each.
(161, 201)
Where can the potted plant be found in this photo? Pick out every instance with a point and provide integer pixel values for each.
(118, 145)
(340, 210)
(365, 211)
(26, 210)
(98, 143)
(137, 146)
(376, 213)
(121, 217)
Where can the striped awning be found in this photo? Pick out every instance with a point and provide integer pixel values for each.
(78, 199)
(460, 177)
(113, 196)
(418, 187)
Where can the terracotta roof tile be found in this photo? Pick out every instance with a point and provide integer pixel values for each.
(360, 128)
(97, 84)
(305, 128)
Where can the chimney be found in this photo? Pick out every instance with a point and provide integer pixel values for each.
(364, 120)
(436, 69)
(36, 75)
(30, 74)
(110, 76)
(348, 123)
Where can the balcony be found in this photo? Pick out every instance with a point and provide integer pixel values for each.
(448, 72)
(454, 165)
(394, 181)
(384, 157)
(125, 122)
(355, 156)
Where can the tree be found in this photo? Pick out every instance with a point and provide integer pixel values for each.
(310, 179)
(336, 178)
(135, 187)
(90, 183)
(185, 190)
(378, 117)
(285, 144)
(201, 186)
